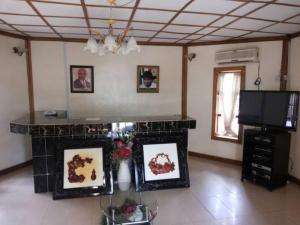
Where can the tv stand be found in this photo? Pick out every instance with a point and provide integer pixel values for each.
(266, 157)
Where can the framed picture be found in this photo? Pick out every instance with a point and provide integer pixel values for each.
(82, 168)
(160, 163)
(82, 79)
(147, 79)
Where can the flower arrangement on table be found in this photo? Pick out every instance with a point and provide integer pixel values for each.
(121, 155)
(122, 147)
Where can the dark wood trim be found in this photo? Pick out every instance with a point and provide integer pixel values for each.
(215, 158)
(8, 34)
(184, 81)
(233, 162)
(294, 179)
(235, 41)
(15, 167)
(217, 71)
(284, 65)
(85, 13)
(29, 76)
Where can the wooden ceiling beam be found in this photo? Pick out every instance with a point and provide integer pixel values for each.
(172, 19)
(86, 15)
(233, 21)
(211, 23)
(13, 27)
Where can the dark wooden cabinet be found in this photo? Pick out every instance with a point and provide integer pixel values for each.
(266, 157)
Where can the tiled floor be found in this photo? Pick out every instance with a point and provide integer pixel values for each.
(216, 197)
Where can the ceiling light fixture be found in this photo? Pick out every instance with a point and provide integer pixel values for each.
(110, 43)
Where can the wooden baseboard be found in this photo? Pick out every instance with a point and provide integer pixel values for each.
(216, 158)
(16, 167)
(294, 179)
(234, 162)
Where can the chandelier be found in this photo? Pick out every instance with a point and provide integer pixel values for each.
(103, 44)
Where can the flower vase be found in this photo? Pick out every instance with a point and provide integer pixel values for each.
(124, 175)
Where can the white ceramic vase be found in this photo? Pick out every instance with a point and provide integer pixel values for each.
(124, 176)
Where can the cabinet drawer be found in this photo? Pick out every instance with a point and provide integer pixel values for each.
(263, 151)
(262, 160)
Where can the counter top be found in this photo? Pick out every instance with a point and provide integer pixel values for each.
(62, 118)
(37, 121)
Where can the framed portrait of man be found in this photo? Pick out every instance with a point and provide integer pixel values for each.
(82, 79)
(147, 79)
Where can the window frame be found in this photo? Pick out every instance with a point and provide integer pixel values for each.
(217, 71)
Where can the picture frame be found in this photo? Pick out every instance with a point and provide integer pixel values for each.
(67, 149)
(178, 178)
(81, 79)
(147, 79)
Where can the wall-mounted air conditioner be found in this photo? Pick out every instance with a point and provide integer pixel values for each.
(237, 56)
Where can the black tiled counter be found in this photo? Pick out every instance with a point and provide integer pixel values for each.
(46, 132)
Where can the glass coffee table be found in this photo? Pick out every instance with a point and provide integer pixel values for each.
(128, 207)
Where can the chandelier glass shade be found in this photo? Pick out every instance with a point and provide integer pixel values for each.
(110, 43)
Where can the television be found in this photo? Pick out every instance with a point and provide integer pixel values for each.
(269, 109)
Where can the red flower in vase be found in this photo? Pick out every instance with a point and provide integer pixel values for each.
(121, 151)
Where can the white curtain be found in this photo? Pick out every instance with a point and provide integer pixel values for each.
(229, 88)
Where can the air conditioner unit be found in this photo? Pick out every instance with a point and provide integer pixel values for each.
(237, 56)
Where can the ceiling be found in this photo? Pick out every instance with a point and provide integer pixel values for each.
(170, 21)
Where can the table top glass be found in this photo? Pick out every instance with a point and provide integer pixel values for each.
(129, 207)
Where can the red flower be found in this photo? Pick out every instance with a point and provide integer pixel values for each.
(118, 143)
(124, 153)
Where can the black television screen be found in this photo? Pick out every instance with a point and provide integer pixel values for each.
(269, 108)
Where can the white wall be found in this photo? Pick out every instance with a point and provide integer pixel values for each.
(200, 88)
(14, 148)
(115, 80)
(294, 84)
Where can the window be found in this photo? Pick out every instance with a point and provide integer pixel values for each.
(228, 81)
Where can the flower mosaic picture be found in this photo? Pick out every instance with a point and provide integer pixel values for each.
(161, 162)
(83, 168)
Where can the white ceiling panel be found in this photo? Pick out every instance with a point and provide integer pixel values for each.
(13, 6)
(213, 6)
(127, 3)
(36, 34)
(5, 27)
(141, 33)
(195, 36)
(181, 29)
(295, 20)
(207, 30)
(65, 1)
(229, 32)
(142, 39)
(184, 41)
(50, 9)
(66, 22)
(283, 28)
(146, 26)
(260, 34)
(213, 38)
(276, 12)
(103, 23)
(225, 20)
(194, 19)
(27, 20)
(34, 28)
(13, 32)
(72, 30)
(249, 24)
(75, 36)
(170, 35)
(246, 9)
(117, 13)
(163, 40)
(295, 2)
(153, 16)
(163, 4)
